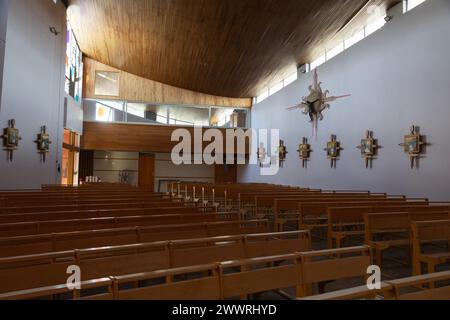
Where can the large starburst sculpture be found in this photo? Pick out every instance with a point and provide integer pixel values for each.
(316, 102)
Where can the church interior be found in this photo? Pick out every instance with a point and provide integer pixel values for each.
(257, 150)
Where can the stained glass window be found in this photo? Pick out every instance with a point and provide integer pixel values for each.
(74, 67)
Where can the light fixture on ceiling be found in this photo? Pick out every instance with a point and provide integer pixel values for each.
(303, 68)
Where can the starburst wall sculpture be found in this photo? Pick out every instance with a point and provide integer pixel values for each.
(316, 102)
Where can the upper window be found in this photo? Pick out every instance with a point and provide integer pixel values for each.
(411, 4)
(263, 96)
(335, 51)
(321, 60)
(378, 24)
(357, 37)
(183, 115)
(107, 83)
(276, 88)
(290, 79)
(104, 113)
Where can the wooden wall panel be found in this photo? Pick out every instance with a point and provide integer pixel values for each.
(134, 137)
(225, 174)
(147, 172)
(137, 89)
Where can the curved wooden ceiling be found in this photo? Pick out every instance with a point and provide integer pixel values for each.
(231, 48)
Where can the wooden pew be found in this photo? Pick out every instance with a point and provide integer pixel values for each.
(358, 293)
(51, 291)
(344, 217)
(390, 290)
(211, 281)
(423, 293)
(395, 290)
(206, 287)
(299, 270)
(429, 232)
(27, 245)
(106, 205)
(87, 193)
(74, 191)
(312, 213)
(25, 200)
(333, 264)
(43, 227)
(247, 202)
(19, 273)
(255, 244)
(315, 215)
(249, 276)
(90, 214)
(272, 203)
(244, 195)
(397, 224)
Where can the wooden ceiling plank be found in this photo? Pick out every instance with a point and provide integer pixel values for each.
(229, 48)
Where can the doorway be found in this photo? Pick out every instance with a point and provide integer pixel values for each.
(147, 171)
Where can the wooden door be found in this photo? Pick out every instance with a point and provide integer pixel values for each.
(86, 168)
(225, 174)
(147, 172)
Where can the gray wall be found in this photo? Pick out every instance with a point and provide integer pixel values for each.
(3, 20)
(399, 76)
(107, 165)
(33, 90)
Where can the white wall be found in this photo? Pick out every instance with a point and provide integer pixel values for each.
(33, 86)
(107, 165)
(3, 21)
(398, 77)
(165, 170)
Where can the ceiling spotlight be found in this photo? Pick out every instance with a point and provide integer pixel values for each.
(303, 68)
